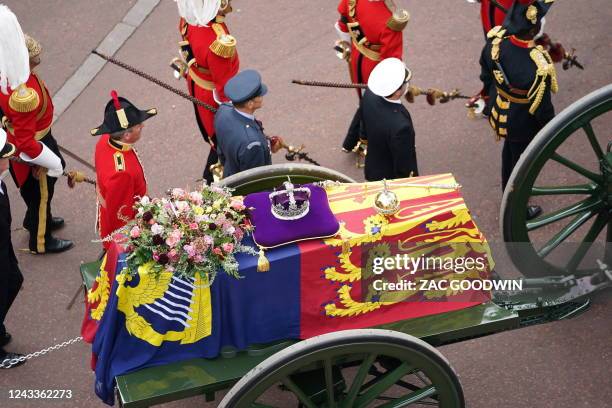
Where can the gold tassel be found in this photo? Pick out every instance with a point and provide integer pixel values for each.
(224, 46)
(346, 247)
(263, 265)
(24, 99)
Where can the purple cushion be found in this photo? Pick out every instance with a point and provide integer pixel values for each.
(269, 231)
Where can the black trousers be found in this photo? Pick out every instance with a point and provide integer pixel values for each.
(10, 275)
(213, 157)
(511, 153)
(38, 195)
(354, 132)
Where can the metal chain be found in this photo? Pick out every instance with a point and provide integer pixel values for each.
(10, 362)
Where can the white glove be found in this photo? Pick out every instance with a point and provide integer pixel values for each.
(47, 159)
(342, 35)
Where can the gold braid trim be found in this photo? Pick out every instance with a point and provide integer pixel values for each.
(545, 68)
(398, 21)
(399, 18)
(225, 44)
(24, 99)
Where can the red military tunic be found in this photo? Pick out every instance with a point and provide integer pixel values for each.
(120, 178)
(26, 128)
(492, 15)
(382, 32)
(214, 65)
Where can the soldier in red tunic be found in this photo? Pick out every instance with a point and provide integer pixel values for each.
(373, 28)
(493, 13)
(120, 176)
(209, 60)
(26, 110)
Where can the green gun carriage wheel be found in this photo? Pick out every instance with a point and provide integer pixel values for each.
(267, 177)
(591, 199)
(353, 368)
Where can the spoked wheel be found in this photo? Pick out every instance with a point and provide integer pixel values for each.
(580, 184)
(352, 368)
(268, 177)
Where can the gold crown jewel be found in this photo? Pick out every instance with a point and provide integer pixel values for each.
(291, 203)
(386, 202)
(532, 14)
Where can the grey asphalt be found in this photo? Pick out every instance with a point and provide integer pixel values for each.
(564, 364)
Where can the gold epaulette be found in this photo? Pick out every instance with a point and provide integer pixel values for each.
(119, 161)
(497, 34)
(497, 31)
(545, 69)
(24, 99)
(399, 20)
(225, 44)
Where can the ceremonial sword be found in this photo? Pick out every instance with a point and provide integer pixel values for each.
(292, 152)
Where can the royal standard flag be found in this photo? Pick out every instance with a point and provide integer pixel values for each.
(312, 287)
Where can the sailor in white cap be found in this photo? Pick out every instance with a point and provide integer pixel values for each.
(387, 123)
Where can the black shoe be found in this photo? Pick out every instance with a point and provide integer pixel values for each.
(54, 246)
(533, 211)
(4, 361)
(5, 339)
(56, 223)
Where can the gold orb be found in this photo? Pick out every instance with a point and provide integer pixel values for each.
(386, 202)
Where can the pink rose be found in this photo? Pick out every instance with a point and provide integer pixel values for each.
(172, 240)
(173, 255)
(196, 197)
(182, 206)
(228, 247)
(217, 251)
(178, 193)
(237, 205)
(193, 226)
(135, 232)
(238, 234)
(191, 252)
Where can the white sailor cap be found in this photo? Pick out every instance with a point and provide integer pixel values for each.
(388, 76)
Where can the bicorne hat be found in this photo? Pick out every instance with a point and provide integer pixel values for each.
(121, 114)
(524, 15)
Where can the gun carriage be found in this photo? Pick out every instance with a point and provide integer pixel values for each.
(397, 364)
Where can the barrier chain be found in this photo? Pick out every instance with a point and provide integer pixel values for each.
(10, 362)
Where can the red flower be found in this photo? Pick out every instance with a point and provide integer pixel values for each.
(163, 259)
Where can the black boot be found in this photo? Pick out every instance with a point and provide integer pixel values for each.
(52, 246)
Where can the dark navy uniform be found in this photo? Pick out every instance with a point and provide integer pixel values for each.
(10, 275)
(521, 76)
(391, 140)
(242, 144)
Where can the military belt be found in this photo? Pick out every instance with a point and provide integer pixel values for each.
(513, 98)
(194, 73)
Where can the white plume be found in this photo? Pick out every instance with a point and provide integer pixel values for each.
(198, 12)
(14, 59)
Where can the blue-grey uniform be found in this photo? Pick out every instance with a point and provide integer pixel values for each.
(241, 142)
